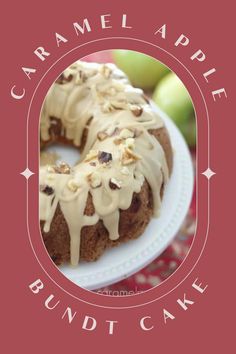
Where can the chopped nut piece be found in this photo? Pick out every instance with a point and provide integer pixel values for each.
(117, 105)
(82, 76)
(129, 157)
(129, 143)
(51, 176)
(73, 66)
(114, 184)
(102, 136)
(63, 79)
(63, 168)
(94, 180)
(51, 169)
(107, 107)
(112, 130)
(104, 157)
(78, 80)
(92, 164)
(126, 133)
(136, 110)
(117, 141)
(91, 155)
(112, 91)
(106, 71)
(46, 189)
(139, 176)
(73, 185)
(125, 171)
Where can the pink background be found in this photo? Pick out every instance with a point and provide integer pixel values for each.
(206, 326)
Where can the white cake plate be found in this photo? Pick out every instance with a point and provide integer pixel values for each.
(120, 262)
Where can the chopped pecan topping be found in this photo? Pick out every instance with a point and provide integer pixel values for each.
(102, 136)
(106, 71)
(63, 79)
(126, 133)
(62, 168)
(46, 189)
(115, 131)
(114, 184)
(83, 77)
(112, 130)
(129, 143)
(94, 180)
(136, 110)
(117, 141)
(107, 107)
(73, 185)
(51, 176)
(92, 164)
(51, 169)
(91, 155)
(128, 157)
(104, 157)
(117, 106)
(125, 171)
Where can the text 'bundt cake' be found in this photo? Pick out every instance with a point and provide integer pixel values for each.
(126, 159)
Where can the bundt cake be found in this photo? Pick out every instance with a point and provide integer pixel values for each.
(126, 159)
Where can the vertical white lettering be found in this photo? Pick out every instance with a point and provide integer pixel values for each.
(28, 71)
(217, 93)
(60, 38)
(143, 324)
(198, 287)
(183, 40)
(124, 21)
(36, 286)
(167, 315)
(15, 95)
(185, 301)
(93, 323)
(47, 301)
(105, 21)
(199, 55)
(208, 73)
(41, 53)
(69, 314)
(162, 31)
(111, 326)
(81, 29)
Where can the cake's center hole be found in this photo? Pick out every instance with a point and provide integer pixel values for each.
(56, 152)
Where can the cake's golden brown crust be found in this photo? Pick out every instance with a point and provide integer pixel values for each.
(94, 239)
(163, 137)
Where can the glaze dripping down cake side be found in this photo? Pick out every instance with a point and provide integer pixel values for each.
(126, 159)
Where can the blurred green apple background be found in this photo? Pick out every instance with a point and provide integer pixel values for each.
(164, 86)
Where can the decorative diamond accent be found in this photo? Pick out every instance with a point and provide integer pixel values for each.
(208, 173)
(27, 173)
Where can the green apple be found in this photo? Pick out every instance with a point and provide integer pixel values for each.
(173, 98)
(189, 131)
(142, 70)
